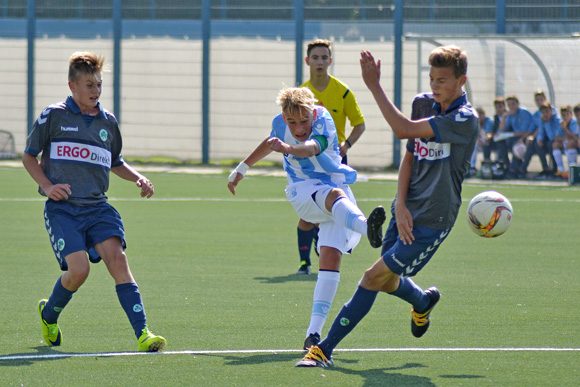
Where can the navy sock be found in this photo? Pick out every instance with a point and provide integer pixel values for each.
(130, 300)
(56, 302)
(315, 237)
(350, 315)
(413, 294)
(305, 245)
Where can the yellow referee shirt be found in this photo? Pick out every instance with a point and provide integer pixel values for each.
(341, 103)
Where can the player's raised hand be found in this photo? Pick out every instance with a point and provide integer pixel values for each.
(58, 192)
(371, 71)
(147, 189)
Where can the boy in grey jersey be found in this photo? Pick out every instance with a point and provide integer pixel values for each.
(428, 197)
(80, 144)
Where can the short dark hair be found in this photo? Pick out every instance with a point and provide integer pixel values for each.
(513, 98)
(450, 56)
(319, 43)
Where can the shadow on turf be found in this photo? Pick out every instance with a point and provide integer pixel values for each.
(288, 278)
(386, 376)
(41, 350)
(372, 377)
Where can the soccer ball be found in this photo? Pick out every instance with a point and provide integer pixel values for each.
(489, 214)
(519, 150)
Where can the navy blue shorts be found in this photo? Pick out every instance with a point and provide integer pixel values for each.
(74, 228)
(408, 260)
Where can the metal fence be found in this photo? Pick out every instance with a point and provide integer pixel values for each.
(445, 11)
(252, 53)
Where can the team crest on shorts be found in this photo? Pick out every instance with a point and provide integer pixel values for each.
(60, 244)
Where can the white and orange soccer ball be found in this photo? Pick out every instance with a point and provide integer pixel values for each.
(489, 214)
(519, 150)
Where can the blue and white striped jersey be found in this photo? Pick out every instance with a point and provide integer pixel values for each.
(326, 166)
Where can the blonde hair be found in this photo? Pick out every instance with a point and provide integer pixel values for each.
(292, 99)
(85, 63)
(566, 108)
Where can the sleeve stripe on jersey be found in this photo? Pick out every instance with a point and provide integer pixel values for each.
(322, 143)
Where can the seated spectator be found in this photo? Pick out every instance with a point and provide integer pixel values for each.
(549, 127)
(577, 113)
(484, 138)
(566, 138)
(518, 120)
(540, 99)
(499, 141)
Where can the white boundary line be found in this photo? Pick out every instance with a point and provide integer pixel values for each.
(281, 199)
(275, 351)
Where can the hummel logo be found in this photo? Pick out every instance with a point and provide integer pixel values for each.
(463, 115)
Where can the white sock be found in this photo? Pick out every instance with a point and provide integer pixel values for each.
(558, 158)
(572, 156)
(348, 214)
(324, 292)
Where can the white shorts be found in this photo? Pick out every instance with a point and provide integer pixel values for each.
(307, 198)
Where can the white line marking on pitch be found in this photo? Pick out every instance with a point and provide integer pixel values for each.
(275, 351)
(281, 199)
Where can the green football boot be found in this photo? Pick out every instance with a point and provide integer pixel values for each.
(50, 332)
(148, 342)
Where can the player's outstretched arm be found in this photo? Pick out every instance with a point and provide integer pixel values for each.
(55, 192)
(307, 149)
(125, 171)
(261, 151)
(401, 125)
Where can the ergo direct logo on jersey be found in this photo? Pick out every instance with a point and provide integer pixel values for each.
(72, 151)
(431, 150)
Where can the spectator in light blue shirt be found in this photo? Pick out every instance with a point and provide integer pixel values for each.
(540, 99)
(541, 140)
(519, 120)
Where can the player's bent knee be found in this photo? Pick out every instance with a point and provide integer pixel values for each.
(380, 277)
(333, 196)
(120, 258)
(76, 276)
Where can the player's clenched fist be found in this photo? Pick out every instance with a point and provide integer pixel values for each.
(278, 145)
